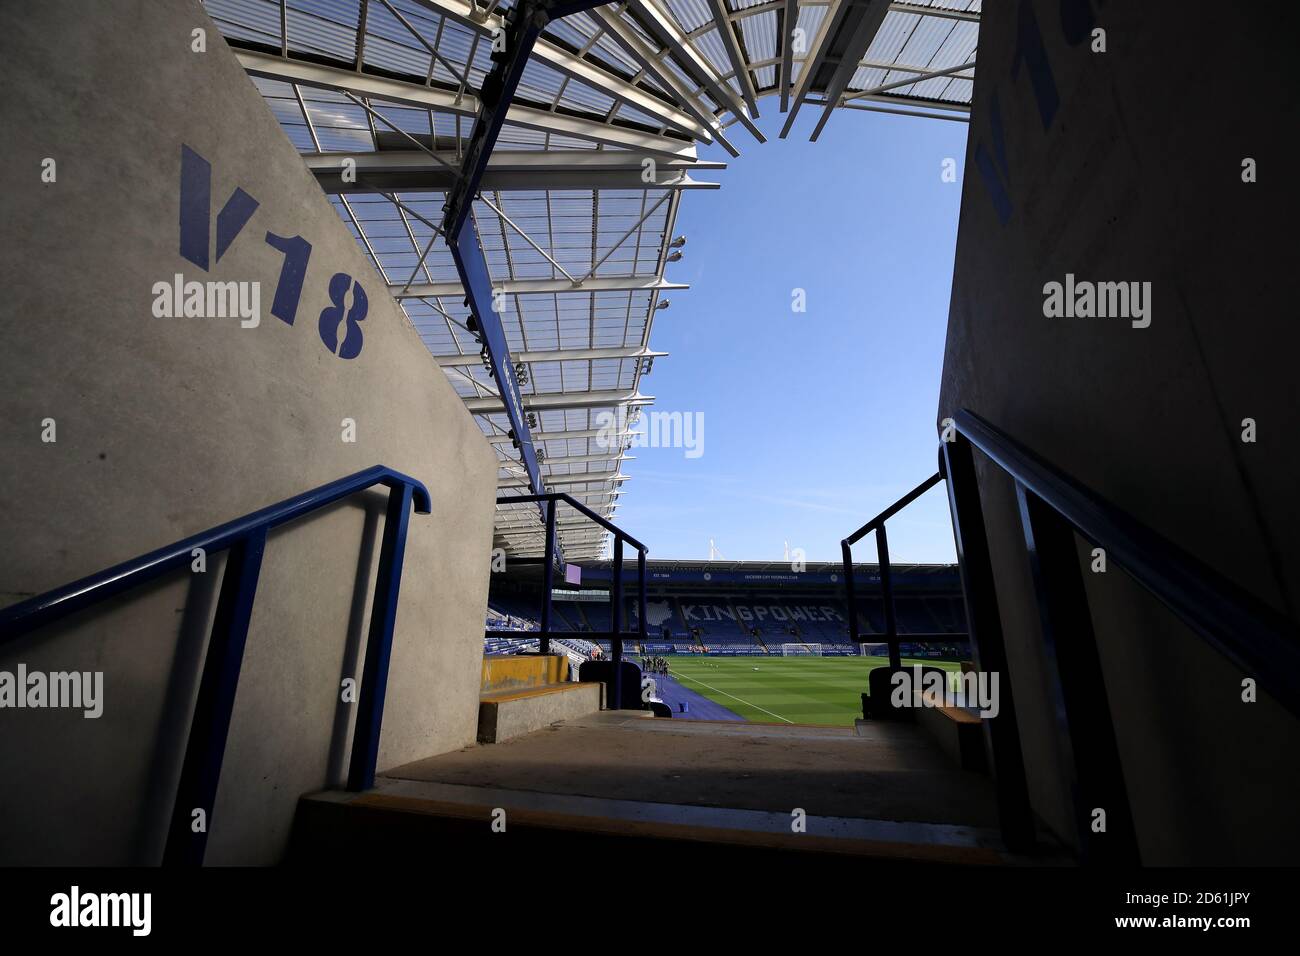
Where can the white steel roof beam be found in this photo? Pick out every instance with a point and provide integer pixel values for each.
(559, 355)
(649, 60)
(593, 499)
(558, 401)
(861, 23)
(627, 235)
(789, 21)
(664, 28)
(918, 9)
(614, 454)
(542, 286)
(412, 171)
(559, 436)
(552, 483)
(731, 43)
(537, 528)
(525, 236)
(562, 60)
(603, 503)
(589, 530)
(931, 75)
(916, 102)
(446, 101)
(856, 105)
(811, 64)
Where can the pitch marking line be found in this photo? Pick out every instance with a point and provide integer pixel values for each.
(682, 676)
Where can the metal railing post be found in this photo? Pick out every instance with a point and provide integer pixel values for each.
(548, 577)
(206, 748)
(984, 631)
(616, 621)
(641, 627)
(244, 541)
(1078, 686)
(887, 593)
(379, 643)
(1252, 635)
(850, 593)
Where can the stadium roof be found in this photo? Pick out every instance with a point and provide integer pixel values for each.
(732, 572)
(779, 567)
(577, 228)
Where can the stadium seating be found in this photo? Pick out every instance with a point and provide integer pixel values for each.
(742, 622)
(573, 646)
(505, 645)
(712, 620)
(737, 623)
(871, 615)
(564, 616)
(913, 617)
(663, 617)
(947, 612)
(598, 616)
(521, 613)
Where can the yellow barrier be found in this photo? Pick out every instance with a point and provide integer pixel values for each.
(518, 672)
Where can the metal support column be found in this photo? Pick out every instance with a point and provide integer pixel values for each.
(850, 593)
(524, 24)
(379, 643)
(887, 593)
(641, 626)
(984, 627)
(206, 747)
(548, 578)
(1078, 687)
(616, 621)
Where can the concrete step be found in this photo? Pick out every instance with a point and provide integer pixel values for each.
(414, 820)
(503, 715)
(959, 732)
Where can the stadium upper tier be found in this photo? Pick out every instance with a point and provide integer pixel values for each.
(576, 208)
(789, 576)
(742, 607)
(730, 624)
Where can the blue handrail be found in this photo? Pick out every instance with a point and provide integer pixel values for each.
(877, 524)
(18, 619)
(1257, 639)
(1054, 507)
(616, 633)
(245, 541)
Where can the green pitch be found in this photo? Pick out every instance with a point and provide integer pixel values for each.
(796, 690)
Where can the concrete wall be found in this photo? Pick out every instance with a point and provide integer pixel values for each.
(168, 426)
(1137, 176)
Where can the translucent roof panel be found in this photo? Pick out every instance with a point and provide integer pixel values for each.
(579, 242)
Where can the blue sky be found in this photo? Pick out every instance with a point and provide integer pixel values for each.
(813, 422)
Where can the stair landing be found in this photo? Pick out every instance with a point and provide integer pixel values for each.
(893, 772)
(886, 791)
